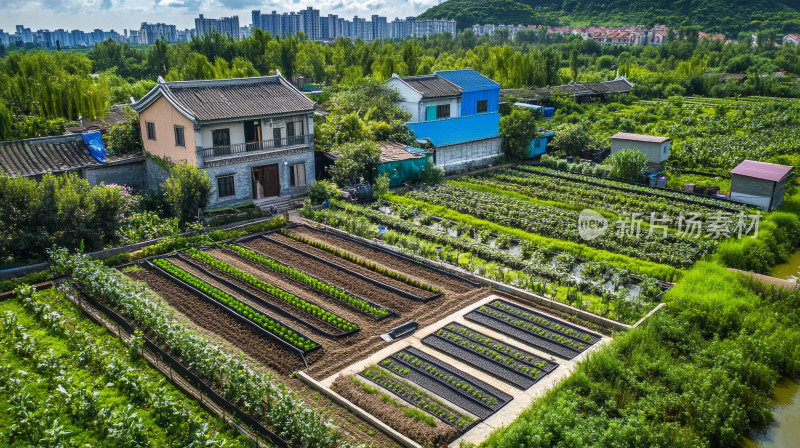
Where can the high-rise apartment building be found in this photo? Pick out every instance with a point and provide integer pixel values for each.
(380, 27)
(424, 28)
(311, 23)
(223, 25)
(151, 32)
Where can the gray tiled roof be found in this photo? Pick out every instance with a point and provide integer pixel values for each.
(221, 99)
(432, 86)
(45, 155)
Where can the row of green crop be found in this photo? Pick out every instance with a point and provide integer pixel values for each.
(238, 306)
(254, 392)
(508, 361)
(526, 326)
(312, 282)
(642, 267)
(542, 321)
(355, 259)
(287, 297)
(64, 383)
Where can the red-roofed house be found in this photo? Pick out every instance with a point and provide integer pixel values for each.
(791, 38)
(759, 183)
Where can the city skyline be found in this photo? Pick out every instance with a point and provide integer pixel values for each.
(126, 14)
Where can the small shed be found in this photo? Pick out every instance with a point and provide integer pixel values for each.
(539, 144)
(543, 112)
(402, 163)
(759, 183)
(655, 148)
(462, 143)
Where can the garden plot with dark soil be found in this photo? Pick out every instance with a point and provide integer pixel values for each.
(504, 361)
(536, 329)
(457, 387)
(408, 267)
(219, 326)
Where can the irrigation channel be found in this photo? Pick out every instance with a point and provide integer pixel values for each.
(788, 271)
(785, 431)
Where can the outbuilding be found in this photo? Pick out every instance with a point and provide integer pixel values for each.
(461, 143)
(760, 183)
(655, 148)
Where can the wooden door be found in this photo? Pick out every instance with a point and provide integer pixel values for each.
(266, 182)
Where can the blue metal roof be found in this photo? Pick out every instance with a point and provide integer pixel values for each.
(453, 131)
(468, 79)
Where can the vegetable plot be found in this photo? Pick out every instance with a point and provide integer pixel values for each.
(418, 397)
(361, 262)
(281, 331)
(319, 285)
(504, 361)
(287, 297)
(446, 381)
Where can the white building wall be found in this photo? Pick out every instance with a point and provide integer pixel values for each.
(456, 158)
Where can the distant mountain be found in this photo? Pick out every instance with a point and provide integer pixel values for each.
(728, 16)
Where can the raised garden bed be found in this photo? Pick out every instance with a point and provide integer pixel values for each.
(545, 321)
(537, 335)
(506, 362)
(300, 277)
(259, 301)
(418, 398)
(268, 325)
(446, 381)
(377, 283)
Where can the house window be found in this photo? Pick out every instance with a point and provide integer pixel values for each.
(151, 130)
(483, 106)
(225, 186)
(442, 111)
(221, 137)
(297, 175)
(180, 139)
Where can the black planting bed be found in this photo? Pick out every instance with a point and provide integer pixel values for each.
(503, 361)
(528, 332)
(547, 322)
(446, 381)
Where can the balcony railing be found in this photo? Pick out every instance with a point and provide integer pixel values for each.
(264, 145)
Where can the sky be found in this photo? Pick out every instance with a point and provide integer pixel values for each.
(119, 14)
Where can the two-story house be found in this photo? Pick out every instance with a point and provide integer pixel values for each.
(428, 97)
(253, 136)
(455, 113)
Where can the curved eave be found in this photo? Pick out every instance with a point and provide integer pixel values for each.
(154, 94)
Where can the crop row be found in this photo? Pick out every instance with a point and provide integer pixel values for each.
(496, 345)
(465, 387)
(535, 172)
(529, 327)
(554, 222)
(312, 282)
(283, 332)
(417, 397)
(585, 195)
(531, 371)
(348, 256)
(541, 320)
(287, 297)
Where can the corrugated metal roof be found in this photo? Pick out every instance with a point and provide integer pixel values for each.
(468, 79)
(453, 131)
(432, 86)
(762, 170)
(393, 151)
(640, 137)
(45, 155)
(225, 99)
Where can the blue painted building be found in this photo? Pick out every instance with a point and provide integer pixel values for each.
(461, 143)
(479, 94)
(539, 145)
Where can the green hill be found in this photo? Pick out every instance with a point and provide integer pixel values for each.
(727, 16)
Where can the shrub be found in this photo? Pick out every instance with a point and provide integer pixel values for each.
(570, 139)
(548, 161)
(627, 164)
(355, 160)
(322, 190)
(185, 191)
(382, 184)
(562, 164)
(431, 175)
(517, 130)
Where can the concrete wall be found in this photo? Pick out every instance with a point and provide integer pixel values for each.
(131, 172)
(752, 191)
(240, 168)
(655, 152)
(411, 98)
(454, 102)
(166, 118)
(456, 158)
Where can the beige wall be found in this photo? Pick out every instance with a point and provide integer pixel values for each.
(166, 118)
